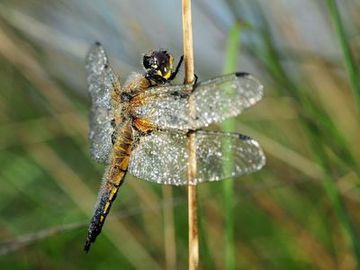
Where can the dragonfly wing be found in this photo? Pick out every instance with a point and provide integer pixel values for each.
(214, 101)
(225, 96)
(166, 106)
(101, 80)
(162, 157)
(225, 155)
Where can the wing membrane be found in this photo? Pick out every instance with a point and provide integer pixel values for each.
(162, 157)
(214, 100)
(101, 80)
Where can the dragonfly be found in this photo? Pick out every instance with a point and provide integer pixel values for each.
(142, 127)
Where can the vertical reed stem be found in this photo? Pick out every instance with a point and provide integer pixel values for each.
(189, 78)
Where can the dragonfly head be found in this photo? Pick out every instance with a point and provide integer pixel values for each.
(159, 65)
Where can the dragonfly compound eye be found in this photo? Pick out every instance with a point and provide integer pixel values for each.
(159, 63)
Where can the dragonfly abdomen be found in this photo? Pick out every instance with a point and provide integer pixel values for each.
(112, 180)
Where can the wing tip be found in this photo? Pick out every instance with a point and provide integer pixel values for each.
(95, 52)
(260, 86)
(262, 158)
(95, 46)
(262, 162)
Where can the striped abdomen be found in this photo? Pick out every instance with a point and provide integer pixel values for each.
(112, 179)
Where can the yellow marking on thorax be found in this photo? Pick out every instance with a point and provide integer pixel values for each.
(171, 65)
(167, 74)
(171, 61)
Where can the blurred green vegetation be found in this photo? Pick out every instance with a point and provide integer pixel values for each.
(299, 212)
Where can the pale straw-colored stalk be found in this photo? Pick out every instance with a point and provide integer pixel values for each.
(189, 78)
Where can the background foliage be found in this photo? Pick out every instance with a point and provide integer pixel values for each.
(299, 212)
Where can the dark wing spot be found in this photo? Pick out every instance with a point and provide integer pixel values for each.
(178, 94)
(241, 74)
(244, 137)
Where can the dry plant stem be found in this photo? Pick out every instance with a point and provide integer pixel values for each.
(7, 247)
(189, 78)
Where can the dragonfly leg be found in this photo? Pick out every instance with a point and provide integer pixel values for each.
(173, 74)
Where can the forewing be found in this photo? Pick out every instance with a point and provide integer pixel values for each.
(224, 97)
(213, 100)
(162, 157)
(101, 80)
(166, 106)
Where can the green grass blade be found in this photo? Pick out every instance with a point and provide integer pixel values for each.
(315, 133)
(337, 202)
(350, 65)
(232, 48)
